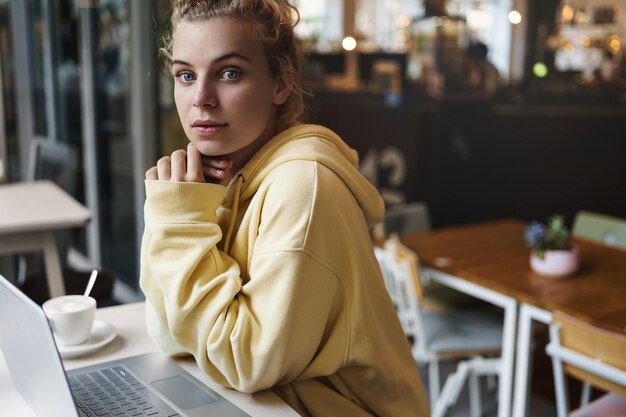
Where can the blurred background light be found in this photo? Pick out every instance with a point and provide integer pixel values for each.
(540, 69)
(515, 17)
(348, 43)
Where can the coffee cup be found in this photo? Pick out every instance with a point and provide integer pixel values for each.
(71, 318)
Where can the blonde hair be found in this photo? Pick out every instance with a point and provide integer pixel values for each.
(272, 22)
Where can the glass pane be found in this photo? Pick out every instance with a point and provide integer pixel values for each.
(110, 23)
(171, 133)
(114, 147)
(67, 76)
(66, 88)
(321, 24)
(383, 24)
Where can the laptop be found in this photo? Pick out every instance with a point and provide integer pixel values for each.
(145, 385)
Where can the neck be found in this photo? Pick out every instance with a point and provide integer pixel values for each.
(241, 157)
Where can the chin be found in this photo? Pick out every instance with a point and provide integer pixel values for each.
(208, 149)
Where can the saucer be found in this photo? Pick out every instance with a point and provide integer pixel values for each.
(102, 333)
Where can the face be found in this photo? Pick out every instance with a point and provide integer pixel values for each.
(225, 94)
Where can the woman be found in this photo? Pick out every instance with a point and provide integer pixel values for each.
(256, 256)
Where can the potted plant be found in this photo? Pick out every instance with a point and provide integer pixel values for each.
(552, 252)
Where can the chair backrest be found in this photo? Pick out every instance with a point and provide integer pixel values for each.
(54, 161)
(601, 228)
(409, 261)
(57, 162)
(589, 353)
(400, 268)
(406, 218)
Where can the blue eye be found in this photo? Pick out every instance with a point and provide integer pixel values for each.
(185, 77)
(231, 75)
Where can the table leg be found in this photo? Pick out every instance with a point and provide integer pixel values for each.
(509, 304)
(508, 357)
(527, 314)
(54, 274)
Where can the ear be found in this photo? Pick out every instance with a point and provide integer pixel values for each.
(284, 87)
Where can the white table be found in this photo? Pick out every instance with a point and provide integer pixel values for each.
(132, 339)
(30, 212)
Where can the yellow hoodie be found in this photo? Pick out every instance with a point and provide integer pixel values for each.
(292, 297)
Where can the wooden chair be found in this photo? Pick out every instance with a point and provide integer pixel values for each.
(438, 336)
(601, 228)
(605, 229)
(592, 355)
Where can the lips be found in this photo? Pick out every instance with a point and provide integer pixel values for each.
(207, 127)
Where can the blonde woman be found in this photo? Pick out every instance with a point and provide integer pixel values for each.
(256, 257)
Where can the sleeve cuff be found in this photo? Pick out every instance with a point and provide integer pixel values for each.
(182, 201)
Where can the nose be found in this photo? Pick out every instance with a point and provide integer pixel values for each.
(205, 95)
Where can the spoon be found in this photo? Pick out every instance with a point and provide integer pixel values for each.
(92, 280)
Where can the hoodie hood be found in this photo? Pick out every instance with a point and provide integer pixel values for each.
(307, 143)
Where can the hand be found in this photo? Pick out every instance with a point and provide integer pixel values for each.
(217, 169)
(191, 166)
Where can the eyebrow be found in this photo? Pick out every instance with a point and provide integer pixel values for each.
(217, 60)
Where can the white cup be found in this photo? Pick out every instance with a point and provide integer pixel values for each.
(71, 318)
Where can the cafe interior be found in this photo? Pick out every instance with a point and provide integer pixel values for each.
(494, 130)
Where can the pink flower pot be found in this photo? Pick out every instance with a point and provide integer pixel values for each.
(556, 263)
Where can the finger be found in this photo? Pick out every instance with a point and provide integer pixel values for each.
(179, 165)
(164, 168)
(152, 174)
(213, 174)
(194, 165)
(216, 162)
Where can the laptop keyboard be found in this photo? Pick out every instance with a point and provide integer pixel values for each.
(114, 392)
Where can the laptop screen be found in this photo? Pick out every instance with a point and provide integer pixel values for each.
(31, 355)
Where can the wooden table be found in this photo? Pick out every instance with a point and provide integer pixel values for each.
(493, 256)
(132, 339)
(30, 212)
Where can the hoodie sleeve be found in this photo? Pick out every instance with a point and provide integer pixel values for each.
(247, 337)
